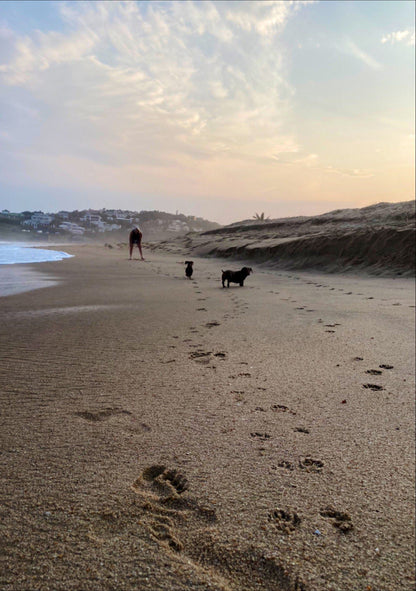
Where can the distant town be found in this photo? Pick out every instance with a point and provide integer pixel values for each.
(92, 224)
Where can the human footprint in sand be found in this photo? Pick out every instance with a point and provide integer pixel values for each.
(136, 238)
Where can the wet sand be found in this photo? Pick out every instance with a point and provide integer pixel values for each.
(19, 278)
(160, 433)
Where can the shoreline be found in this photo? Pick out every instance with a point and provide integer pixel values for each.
(18, 277)
(257, 402)
(22, 277)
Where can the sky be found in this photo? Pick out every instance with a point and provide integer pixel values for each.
(214, 109)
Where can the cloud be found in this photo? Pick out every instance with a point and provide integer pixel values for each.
(167, 99)
(407, 37)
(265, 18)
(351, 172)
(313, 162)
(158, 82)
(352, 48)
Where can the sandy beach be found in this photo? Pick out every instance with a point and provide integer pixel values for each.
(166, 434)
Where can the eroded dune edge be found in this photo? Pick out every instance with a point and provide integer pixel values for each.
(379, 239)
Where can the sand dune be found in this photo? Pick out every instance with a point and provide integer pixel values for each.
(379, 239)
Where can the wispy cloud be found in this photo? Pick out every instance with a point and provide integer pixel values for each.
(407, 37)
(265, 17)
(352, 48)
(159, 79)
(359, 173)
(313, 161)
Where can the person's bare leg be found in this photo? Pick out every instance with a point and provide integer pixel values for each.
(140, 249)
(131, 250)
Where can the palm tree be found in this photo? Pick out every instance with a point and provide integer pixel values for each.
(260, 217)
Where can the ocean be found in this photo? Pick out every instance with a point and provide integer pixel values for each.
(16, 279)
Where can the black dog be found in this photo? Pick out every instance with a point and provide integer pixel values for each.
(189, 270)
(236, 276)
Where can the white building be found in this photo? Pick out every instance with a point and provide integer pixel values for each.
(72, 228)
(104, 227)
(39, 219)
(91, 218)
(178, 226)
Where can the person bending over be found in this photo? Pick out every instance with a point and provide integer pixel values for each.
(136, 238)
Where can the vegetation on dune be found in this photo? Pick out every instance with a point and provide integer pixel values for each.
(261, 217)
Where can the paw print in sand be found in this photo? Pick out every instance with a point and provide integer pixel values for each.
(341, 519)
(311, 465)
(284, 521)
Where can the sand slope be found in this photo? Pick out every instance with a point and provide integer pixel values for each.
(379, 238)
(165, 434)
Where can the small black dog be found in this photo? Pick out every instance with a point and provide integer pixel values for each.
(236, 276)
(189, 269)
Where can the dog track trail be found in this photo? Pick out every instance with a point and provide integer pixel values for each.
(201, 356)
(282, 408)
(374, 387)
(205, 357)
(308, 464)
(261, 436)
(287, 520)
(185, 528)
(284, 464)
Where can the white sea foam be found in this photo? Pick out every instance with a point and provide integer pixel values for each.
(16, 279)
(12, 253)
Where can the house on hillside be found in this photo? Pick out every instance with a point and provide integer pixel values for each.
(105, 227)
(178, 226)
(6, 214)
(120, 215)
(91, 218)
(39, 220)
(72, 228)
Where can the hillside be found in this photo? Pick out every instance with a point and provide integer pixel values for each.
(97, 225)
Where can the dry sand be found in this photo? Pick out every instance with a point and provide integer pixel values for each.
(166, 434)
